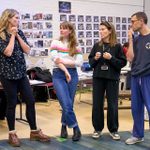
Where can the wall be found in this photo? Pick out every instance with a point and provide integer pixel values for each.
(79, 7)
(147, 9)
(88, 7)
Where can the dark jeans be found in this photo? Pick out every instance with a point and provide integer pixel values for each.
(66, 92)
(12, 88)
(100, 87)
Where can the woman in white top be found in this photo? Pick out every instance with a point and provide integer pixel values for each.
(66, 56)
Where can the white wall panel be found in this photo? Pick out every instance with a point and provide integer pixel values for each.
(147, 9)
(81, 6)
(120, 8)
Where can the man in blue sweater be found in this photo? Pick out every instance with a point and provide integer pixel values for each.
(139, 54)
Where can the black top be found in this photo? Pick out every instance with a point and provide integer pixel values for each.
(13, 67)
(141, 61)
(114, 65)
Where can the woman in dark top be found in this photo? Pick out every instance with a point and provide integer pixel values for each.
(106, 59)
(13, 45)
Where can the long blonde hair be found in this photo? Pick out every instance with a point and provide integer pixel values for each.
(113, 36)
(72, 37)
(4, 21)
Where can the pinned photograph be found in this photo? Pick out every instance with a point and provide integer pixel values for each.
(88, 26)
(118, 34)
(28, 34)
(32, 52)
(118, 40)
(25, 16)
(95, 26)
(95, 41)
(30, 25)
(124, 27)
(110, 19)
(88, 42)
(80, 34)
(47, 43)
(129, 26)
(48, 17)
(81, 26)
(88, 49)
(117, 19)
(63, 17)
(124, 20)
(88, 34)
(48, 25)
(72, 18)
(124, 40)
(81, 42)
(96, 18)
(24, 25)
(96, 34)
(83, 50)
(103, 18)
(80, 18)
(47, 34)
(129, 20)
(88, 19)
(124, 34)
(40, 43)
(117, 26)
(38, 16)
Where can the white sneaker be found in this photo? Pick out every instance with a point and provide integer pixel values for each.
(96, 134)
(133, 140)
(115, 135)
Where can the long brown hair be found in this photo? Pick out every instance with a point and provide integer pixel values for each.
(4, 21)
(72, 37)
(113, 36)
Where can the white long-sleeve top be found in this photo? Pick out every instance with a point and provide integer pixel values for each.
(59, 49)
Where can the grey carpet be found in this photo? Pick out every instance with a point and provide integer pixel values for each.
(86, 143)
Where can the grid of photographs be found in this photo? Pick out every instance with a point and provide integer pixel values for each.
(38, 29)
(122, 25)
(87, 28)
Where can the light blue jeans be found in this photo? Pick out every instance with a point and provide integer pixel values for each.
(65, 93)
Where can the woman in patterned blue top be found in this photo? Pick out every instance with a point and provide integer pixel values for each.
(13, 45)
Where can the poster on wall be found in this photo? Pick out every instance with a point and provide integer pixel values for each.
(64, 7)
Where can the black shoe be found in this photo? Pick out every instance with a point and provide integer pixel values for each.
(76, 135)
(64, 133)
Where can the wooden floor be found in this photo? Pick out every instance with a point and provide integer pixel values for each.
(48, 119)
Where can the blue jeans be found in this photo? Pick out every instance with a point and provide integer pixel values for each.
(11, 89)
(140, 96)
(66, 92)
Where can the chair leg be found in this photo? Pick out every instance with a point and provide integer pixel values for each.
(48, 93)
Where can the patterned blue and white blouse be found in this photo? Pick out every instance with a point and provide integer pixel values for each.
(13, 67)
